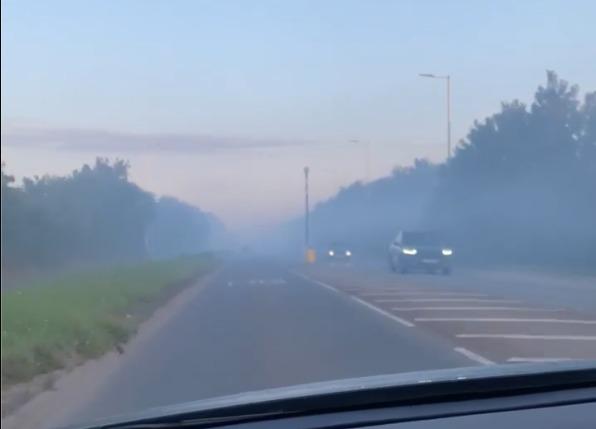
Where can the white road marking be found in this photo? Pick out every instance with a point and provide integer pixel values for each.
(478, 300)
(373, 294)
(442, 294)
(473, 308)
(325, 285)
(384, 313)
(503, 319)
(393, 317)
(530, 337)
(539, 359)
(474, 356)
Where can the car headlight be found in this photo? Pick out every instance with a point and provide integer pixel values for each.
(447, 252)
(348, 253)
(409, 251)
(331, 253)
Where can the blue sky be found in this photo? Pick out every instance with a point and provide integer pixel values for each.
(262, 88)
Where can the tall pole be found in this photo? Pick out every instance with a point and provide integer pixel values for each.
(306, 210)
(448, 117)
(447, 79)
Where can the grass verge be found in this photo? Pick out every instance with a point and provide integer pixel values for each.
(79, 316)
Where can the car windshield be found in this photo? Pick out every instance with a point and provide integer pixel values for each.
(203, 198)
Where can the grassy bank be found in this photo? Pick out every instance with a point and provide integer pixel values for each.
(79, 316)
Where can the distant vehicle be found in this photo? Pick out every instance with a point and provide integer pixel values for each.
(420, 251)
(339, 252)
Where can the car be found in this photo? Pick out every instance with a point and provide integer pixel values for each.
(420, 251)
(339, 252)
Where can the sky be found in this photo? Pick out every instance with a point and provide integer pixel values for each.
(222, 103)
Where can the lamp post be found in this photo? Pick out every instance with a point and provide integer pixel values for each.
(306, 210)
(447, 79)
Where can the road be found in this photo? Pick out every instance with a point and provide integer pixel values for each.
(260, 324)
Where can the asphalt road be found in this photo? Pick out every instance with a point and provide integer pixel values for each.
(260, 324)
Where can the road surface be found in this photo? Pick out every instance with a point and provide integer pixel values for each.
(260, 324)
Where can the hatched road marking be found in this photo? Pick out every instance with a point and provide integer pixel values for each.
(383, 312)
(539, 359)
(473, 308)
(478, 300)
(439, 294)
(502, 319)
(530, 337)
(474, 356)
(393, 317)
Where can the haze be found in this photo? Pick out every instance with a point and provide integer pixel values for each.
(222, 103)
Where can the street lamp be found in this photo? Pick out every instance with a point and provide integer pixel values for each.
(447, 79)
(306, 210)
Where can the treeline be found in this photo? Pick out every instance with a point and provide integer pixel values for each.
(520, 188)
(95, 215)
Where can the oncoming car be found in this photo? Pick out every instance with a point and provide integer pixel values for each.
(339, 252)
(420, 251)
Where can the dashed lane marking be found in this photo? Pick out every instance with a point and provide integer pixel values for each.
(474, 356)
(531, 337)
(503, 319)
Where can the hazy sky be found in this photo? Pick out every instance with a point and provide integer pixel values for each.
(221, 103)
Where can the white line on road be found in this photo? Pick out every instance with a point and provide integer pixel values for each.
(503, 319)
(539, 359)
(325, 285)
(473, 308)
(442, 294)
(383, 312)
(373, 294)
(530, 337)
(393, 317)
(501, 301)
(474, 356)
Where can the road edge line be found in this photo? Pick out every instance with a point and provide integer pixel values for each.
(378, 310)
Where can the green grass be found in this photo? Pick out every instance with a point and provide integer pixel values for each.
(79, 316)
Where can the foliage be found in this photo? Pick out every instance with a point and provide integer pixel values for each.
(180, 229)
(520, 188)
(363, 216)
(94, 216)
(82, 315)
